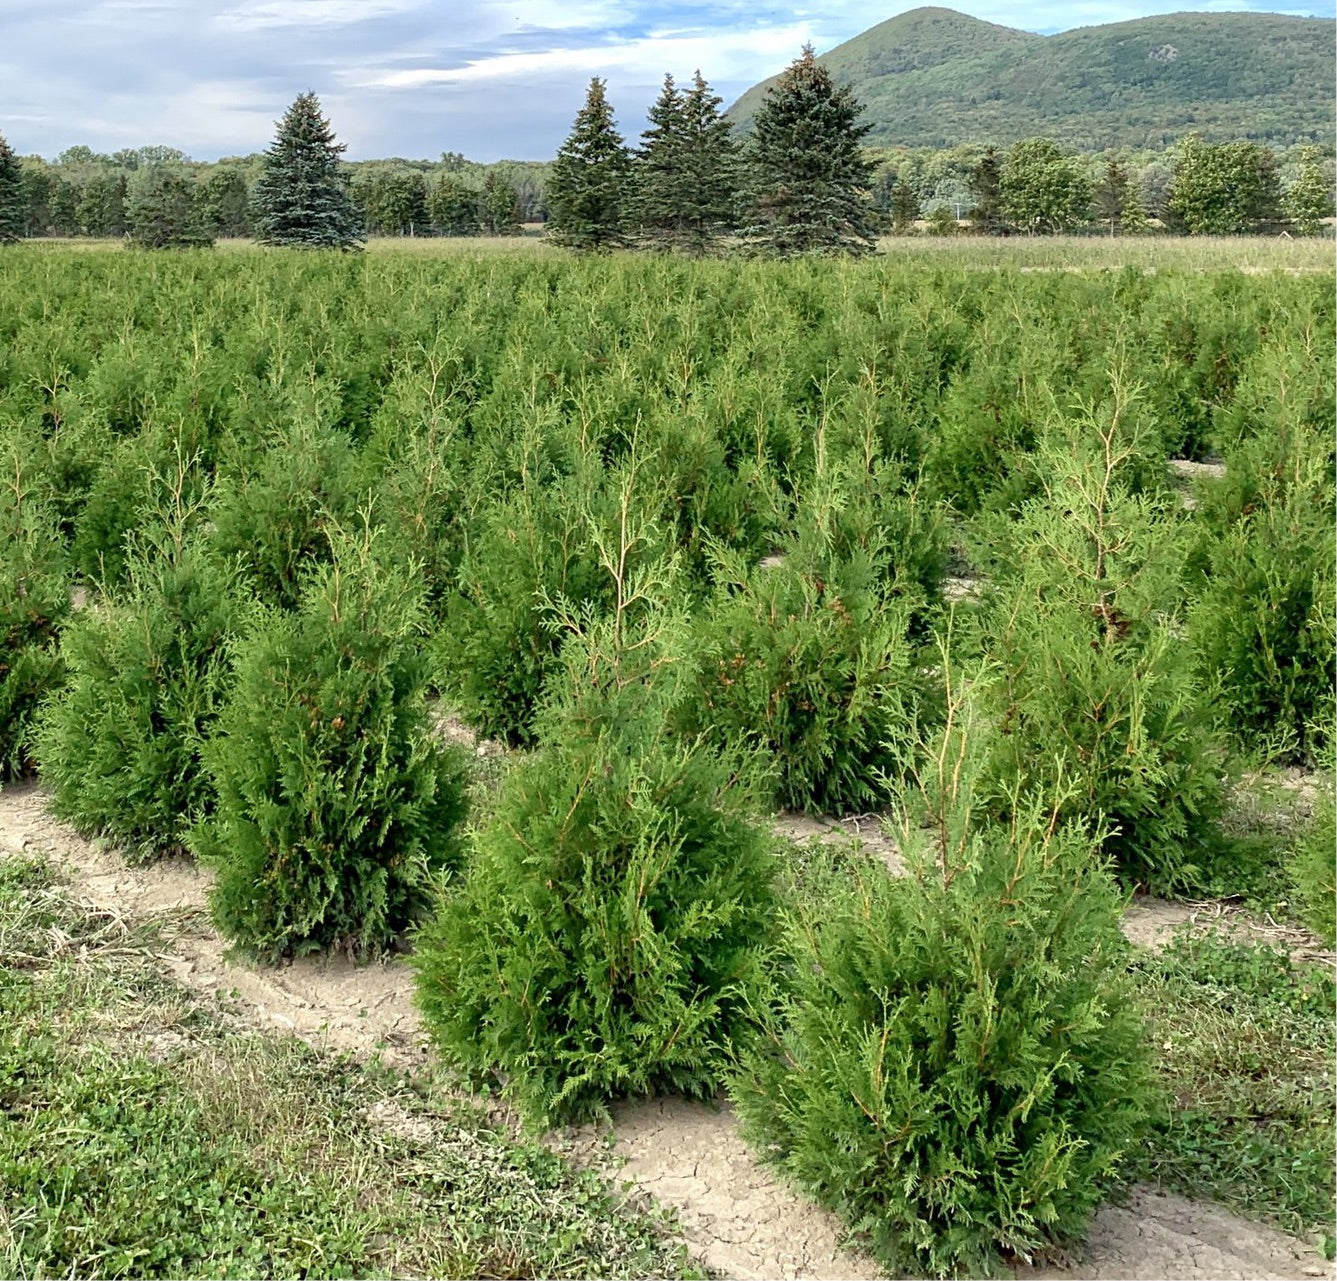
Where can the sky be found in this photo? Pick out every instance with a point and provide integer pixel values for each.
(490, 78)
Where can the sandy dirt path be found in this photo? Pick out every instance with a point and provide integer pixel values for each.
(736, 1217)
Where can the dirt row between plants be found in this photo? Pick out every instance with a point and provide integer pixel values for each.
(736, 1217)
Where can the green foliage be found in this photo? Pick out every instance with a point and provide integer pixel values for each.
(960, 1065)
(273, 517)
(499, 206)
(808, 656)
(1264, 624)
(1312, 867)
(225, 203)
(809, 175)
(301, 197)
(336, 809)
(1308, 200)
(590, 184)
(102, 207)
(13, 201)
(933, 77)
(904, 209)
(120, 745)
(612, 935)
(391, 201)
(1246, 1038)
(34, 603)
(148, 1136)
(1043, 188)
(1223, 189)
(687, 171)
(986, 193)
(453, 207)
(162, 213)
(1099, 697)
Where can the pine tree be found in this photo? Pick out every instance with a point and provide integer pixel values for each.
(589, 188)
(302, 196)
(13, 202)
(687, 169)
(810, 176)
(986, 189)
(1135, 221)
(1111, 196)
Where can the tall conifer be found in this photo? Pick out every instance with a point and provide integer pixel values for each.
(986, 190)
(687, 194)
(589, 189)
(811, 179)
(13, 202)
(302, 196)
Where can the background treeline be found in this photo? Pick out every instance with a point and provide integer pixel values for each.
(1032, 187)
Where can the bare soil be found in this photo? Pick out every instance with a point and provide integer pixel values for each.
(735, 1216)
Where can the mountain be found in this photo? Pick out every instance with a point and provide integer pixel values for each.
(934, 78)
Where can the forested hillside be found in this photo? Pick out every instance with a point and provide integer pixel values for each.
(934, 78)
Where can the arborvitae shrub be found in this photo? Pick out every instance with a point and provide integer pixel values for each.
(336, 808)
(1264, 625)
(148, 670)
(808, 655)
(960, 1062)
(534, 549)
(274, 513)
(612, 935)
(34, 603)
(1099, 692)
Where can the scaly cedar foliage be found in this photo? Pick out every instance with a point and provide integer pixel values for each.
(612, 935)
(121, 744)
(960, 1064)
(336, 810)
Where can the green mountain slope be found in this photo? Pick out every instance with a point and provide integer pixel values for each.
(934, 78)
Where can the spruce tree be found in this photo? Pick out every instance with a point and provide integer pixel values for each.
(1111, 196)
(589, 188)
(301, 197)
(810, 176)
(687, 169)
(13, 202)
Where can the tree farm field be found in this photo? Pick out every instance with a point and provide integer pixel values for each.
(520, 764)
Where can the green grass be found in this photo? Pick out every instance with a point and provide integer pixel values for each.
(1246, 1041)
(144, 1135)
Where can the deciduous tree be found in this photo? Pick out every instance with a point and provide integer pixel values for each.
(1044, 189)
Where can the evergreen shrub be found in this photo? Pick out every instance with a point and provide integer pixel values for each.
(959, 1064)
(809, 656)
(35, 588)
(612, 935)
(1100, 694)
(120, 746)
(1312, 867)
(336, 808)
(1264, 625)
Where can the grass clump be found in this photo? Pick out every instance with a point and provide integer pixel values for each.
(612, 934)
(960, 1066)
(336, 808)
(1312, 866)
(1246, 1038)
(146, 1137)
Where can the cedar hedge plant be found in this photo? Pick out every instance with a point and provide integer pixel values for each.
(612, 935)
(959, 1065)
(336, 809)
(121, 744)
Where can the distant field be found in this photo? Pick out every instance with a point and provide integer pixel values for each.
(1035, 253)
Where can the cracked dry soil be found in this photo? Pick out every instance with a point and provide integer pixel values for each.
(735, 1216)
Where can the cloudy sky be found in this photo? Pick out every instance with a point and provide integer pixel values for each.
(490, 78)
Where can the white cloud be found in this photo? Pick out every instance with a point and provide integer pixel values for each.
(303, 13)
